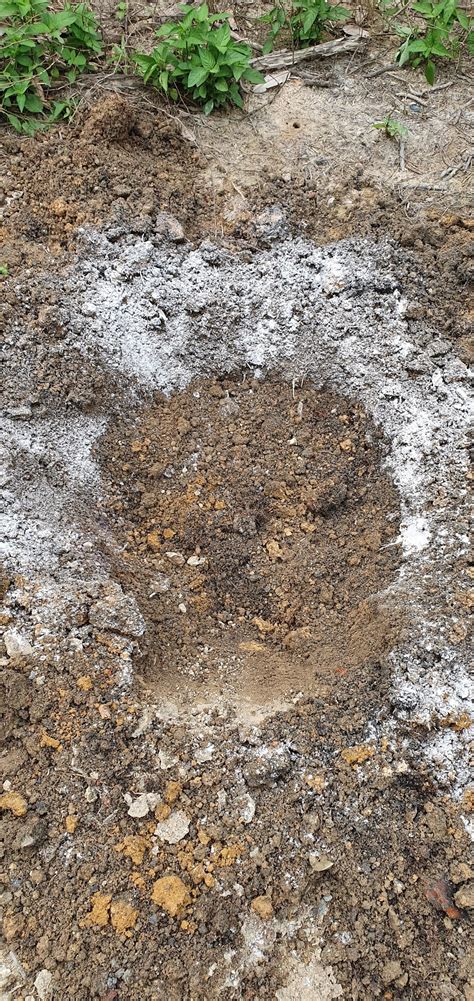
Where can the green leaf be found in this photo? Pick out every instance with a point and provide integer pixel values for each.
(201, 13)
(253, 76)
(463, 20)
(440, 50)
(33, 103)
(430, 72)
(197, 76)
(208, 107)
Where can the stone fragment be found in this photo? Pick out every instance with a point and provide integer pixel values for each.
(141, 806)
(262, 907)
(44, 985)
(171, 894)
(14, 802)
(166, 225)
(71, 823)
(123, 917)
(464, 897)
(16, 644)
(320, 863)
(174, 828)
(118, 613)
(358, 754)
(391, 972)
(266, 766)
(246, 808)
(100, 910)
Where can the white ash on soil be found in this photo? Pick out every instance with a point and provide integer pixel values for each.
(152, 315)
(161, 314)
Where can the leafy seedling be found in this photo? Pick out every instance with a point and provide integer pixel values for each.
(198, 58)
(444, 28)
(40, 48)
(303, 22)
(392, 128)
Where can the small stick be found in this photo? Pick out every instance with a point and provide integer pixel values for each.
(388, 68)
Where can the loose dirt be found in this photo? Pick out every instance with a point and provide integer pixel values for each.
(259, 528)
(236, 599)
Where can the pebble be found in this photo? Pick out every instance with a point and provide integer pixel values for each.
(464, 897)
(141, 806)
(320, 863)
(171, 894)
(167, 225)
(16, 644)
(174, 828)
(262, 906)
(117, 612)
(88, 309)
(391, 971)
(44, 984)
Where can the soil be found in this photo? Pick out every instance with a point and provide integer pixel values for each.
(241, 771)
(257, 554)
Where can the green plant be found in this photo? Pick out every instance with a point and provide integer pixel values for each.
(121, 10)
(197, 57)
(304, 21)
(392, 127)
(39, 49)
(3, 270)
(439, 36)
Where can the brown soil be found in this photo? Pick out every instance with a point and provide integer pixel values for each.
(349, 840)
(257, 532)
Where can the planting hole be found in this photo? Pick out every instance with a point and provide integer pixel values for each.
(259, 532)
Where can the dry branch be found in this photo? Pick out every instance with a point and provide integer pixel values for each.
(285, 57)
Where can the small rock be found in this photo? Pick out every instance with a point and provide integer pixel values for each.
(177, 559)
(160, 585)
(171, 894)
(267, 765)
(246, 808)
(262, 906)
(16, 644)
(166, 225)
(174, 828)
(320, 863)
(271, 223)
(141, 806)
(464, 897)
(44, 984)
(14, 802)
(88, 309)
(391, 972)
(117, 612)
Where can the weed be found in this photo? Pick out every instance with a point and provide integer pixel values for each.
(198, 58)
(304, 21)
(444, 26)
(392, 127)
(121, 10)
(38, 49)
(3, 270)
